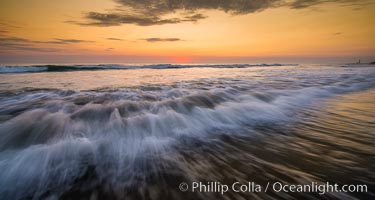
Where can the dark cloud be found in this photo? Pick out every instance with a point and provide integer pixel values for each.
(153, 12)
(159, 7)
(116, 19)
(195, 17)
(162, 39)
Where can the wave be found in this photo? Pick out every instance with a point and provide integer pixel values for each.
(64, 134)
(55, 141)
(63, 68)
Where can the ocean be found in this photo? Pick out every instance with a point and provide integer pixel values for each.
(139, 131)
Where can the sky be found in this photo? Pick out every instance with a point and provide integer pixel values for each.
(186, 31)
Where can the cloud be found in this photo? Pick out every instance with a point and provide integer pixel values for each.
(162, 39)
(300, 4)
(159, 7)
(17, 43)
(7, 25)
(64, 41)
(154, 12)
(116, 19)
(13, 39)
(24, 47)
(115, 39)
(55, 41)
(195, 17)
(3, 32)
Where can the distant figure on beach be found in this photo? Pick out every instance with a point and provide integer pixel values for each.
(359, 61)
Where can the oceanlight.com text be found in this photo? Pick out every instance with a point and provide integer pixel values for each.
(238, 187)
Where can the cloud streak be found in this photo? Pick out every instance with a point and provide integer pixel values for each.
(23, 44)
(6, 25)
(162, 39)
(153, 12)
(300, 4)
(6, 46)
(3, 32)
(64, 41)
(13, 39)
(115, 39)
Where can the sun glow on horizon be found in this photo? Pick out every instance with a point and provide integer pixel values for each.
(181, 59)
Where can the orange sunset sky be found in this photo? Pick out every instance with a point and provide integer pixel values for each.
(186, 31)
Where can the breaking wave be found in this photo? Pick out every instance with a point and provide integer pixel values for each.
(61, 68)
(60, 144)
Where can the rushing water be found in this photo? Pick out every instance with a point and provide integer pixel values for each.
(139, 133)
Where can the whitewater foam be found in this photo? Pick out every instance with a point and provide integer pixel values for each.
(51, 139)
